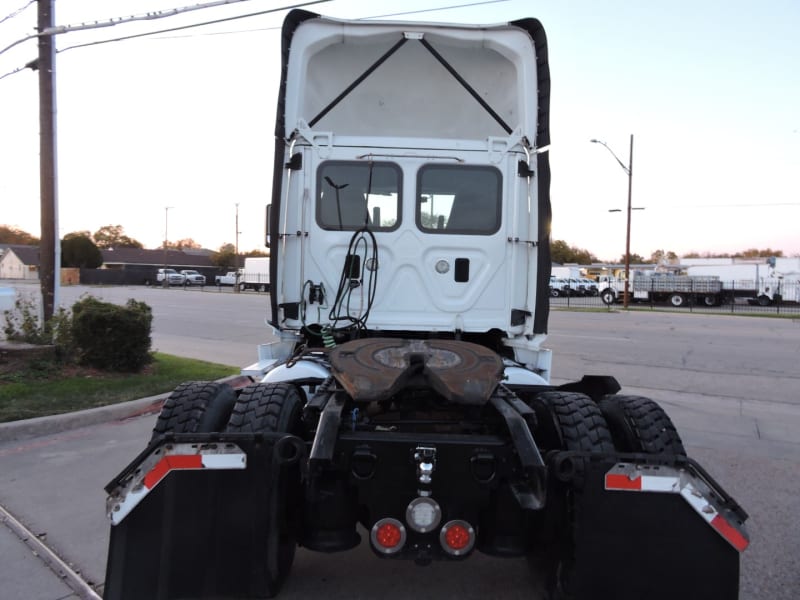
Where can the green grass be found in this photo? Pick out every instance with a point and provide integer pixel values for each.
(43, 388)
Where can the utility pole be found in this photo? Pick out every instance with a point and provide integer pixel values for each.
(629, 172)
(165, 281)
(236, 256)
(628, 230)
(50, 244)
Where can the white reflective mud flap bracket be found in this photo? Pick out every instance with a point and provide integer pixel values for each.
(659, 479)
(640, 529)
(160, 463)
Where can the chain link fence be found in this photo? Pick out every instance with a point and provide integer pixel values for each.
(774, 297)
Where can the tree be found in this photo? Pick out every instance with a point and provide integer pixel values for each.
(184, 243)
(664, 257)
(561, 252)
(756, 253)
(12, 235)
(225, 257)
(78, 234)
(749, 253)
(78, 250)
(635, 259)
(112, 236)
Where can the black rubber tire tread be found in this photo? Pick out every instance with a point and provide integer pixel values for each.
(275, 408)
(639, 424)
(583, 427)
(267, 408)
(196, 407)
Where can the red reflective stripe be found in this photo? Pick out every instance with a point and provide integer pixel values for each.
(618, 481)
(168, 463)
(730, 533)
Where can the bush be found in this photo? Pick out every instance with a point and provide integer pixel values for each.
(111, 337)
(24, 325)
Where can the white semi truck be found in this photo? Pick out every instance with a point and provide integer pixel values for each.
(407, 403)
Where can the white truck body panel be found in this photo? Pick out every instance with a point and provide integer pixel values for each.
(734, 277)
(256, 273)
(412, 155)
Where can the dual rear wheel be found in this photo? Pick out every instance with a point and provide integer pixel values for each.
(209, 407)
(574, 422)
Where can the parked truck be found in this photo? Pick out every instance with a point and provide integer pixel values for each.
(758, 283)
(255, 275)
(651, 286)
(230, 278)
(408, 398)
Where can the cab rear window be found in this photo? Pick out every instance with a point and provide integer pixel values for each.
(351, 195)
(459, 199)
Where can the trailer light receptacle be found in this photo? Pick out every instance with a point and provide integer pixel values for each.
(362, 463)
(483, 468)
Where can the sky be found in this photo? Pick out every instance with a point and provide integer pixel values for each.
(169, 133)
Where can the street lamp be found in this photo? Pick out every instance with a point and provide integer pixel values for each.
(629, 171)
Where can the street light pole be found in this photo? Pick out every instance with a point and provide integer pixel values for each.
(236, 255)
(629, 171)
(165, 281)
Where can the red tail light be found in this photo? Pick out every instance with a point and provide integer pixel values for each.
(388, 536)
(457, 537)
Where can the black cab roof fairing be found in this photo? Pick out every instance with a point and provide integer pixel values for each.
(536, 32)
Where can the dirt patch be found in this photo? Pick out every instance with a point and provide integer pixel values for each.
(18, 356)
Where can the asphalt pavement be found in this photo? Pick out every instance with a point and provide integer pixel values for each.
(728, 383)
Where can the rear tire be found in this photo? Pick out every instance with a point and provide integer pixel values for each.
(275, 408)
(608, 297)
(638, 424)
(579, 426)
(196, 407)
(677, 300)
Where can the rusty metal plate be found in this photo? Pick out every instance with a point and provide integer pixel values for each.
(377, 368)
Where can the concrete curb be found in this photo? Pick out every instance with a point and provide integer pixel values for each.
(40, 426)
(29, 428)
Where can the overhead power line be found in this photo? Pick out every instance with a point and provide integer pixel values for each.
(183, 27)
(425, 10)
(114, 21)
(399, 14)
(16, 12)
(150, 16)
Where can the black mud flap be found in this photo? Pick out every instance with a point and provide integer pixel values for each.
(656, 532)
(191, 515)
